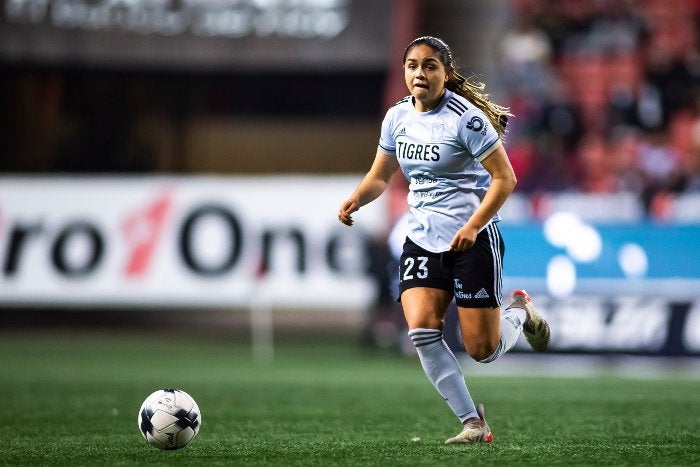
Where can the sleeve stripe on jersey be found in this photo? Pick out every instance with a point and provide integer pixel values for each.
(457, 107)
(391, 152)
(458, 112)
(488, 150)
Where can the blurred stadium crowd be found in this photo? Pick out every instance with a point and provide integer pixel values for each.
(607, 95)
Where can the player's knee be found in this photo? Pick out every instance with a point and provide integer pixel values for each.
(426, 322)
(482, 350)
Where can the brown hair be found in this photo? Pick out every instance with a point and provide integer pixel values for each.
(465, 87)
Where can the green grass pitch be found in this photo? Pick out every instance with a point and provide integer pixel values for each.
(73, 398)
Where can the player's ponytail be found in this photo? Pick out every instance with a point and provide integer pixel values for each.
(474, 91)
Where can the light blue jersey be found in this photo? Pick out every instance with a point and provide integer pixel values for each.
(440, 154)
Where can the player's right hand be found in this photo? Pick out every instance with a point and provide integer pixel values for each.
(346, 210)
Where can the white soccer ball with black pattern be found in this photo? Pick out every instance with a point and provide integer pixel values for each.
(169, 419)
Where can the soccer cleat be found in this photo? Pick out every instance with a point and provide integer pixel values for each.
(535, 328)
(475, 430)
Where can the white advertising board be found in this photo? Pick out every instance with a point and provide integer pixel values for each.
(184, 242)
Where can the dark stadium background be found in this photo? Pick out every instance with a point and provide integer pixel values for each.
(606, 97)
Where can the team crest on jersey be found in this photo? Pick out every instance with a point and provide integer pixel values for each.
(477, 124)
(438, 132)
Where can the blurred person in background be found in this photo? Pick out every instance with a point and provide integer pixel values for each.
(626, 144)
(595, 167)
(526, 52)
(446, 138)
(692, 162)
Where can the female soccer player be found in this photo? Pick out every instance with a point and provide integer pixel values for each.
(446, 139)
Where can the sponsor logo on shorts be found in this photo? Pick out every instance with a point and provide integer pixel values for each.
(481, 294)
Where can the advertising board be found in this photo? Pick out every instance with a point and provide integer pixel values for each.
(198, 241)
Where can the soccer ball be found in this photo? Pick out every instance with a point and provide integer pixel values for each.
(169, 419)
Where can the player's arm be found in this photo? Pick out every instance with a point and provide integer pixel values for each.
(372, 185)
(502, 184)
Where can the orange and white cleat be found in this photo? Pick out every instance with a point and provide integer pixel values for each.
(535, 327)
(476, 430)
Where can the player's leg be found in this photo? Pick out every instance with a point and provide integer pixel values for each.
(488, 333)
(425, 309)
(426, 292)
(475, 429)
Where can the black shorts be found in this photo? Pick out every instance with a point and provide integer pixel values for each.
(473, 277)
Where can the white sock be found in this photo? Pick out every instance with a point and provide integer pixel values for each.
(443, 370)
(512, 320)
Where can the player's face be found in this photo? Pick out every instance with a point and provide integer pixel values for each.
(425, 76)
